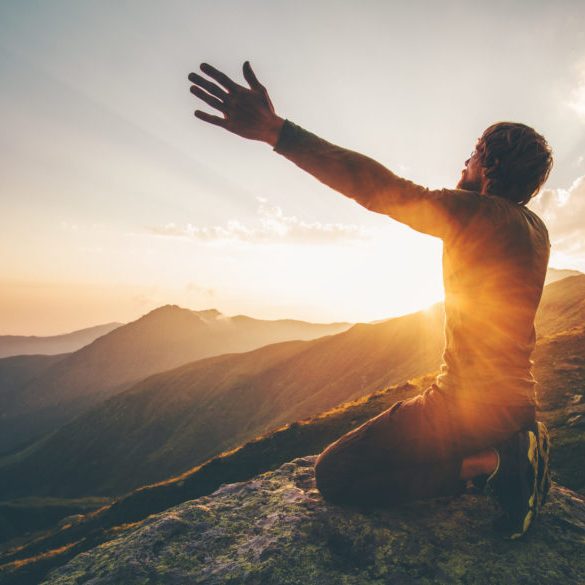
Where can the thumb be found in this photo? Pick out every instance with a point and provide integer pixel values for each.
(250, 76)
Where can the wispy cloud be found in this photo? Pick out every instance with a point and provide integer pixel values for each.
(563, 211)
(272, 225)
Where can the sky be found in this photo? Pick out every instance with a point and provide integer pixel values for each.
(115, 199)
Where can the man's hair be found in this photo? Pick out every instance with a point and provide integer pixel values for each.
(516, 160)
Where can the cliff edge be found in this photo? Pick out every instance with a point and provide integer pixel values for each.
(277, 529)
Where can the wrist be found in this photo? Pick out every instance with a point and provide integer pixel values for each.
(273, 130)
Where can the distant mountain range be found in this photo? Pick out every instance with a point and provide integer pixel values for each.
(173, 420)
(176, 419)
(163, 339)
(554, 274)
(55, 344)
(17, 371)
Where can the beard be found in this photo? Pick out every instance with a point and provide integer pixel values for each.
(468, 184)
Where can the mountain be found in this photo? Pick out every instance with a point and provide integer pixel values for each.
(163, 339)
(276, 529)
(54, 344)
(167, 423)
(176, 419)
(16, 371)
(560, 370)
(554, 274)
(562, 306)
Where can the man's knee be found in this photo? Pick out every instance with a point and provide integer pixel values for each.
(329, 475)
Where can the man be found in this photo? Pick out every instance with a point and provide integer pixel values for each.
(477, 421)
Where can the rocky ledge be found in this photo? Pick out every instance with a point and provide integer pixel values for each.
(276, 529)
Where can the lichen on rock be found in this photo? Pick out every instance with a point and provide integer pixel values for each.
(277, 529)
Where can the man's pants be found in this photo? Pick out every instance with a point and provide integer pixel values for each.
(414, 449)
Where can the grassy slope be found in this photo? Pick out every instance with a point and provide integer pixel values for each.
(562, 306)
(17, 370)
(560, 369)
(41, 513)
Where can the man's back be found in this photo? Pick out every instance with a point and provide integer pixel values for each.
(494, 268)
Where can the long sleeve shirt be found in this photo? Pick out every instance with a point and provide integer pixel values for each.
(495, 256)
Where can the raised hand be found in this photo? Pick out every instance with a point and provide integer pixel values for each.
(247, 112)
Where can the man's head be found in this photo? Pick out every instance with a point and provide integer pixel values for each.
(510, 160)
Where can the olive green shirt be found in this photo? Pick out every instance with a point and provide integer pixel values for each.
(495, 257)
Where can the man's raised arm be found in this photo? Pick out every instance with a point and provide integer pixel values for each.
(248, 112)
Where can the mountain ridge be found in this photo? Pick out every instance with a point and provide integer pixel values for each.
(163, 339)
(12, 345)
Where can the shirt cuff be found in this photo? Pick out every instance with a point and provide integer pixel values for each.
(290, 134)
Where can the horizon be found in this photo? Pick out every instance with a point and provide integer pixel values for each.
(208, 309)
(231, 316)
(117, 200)
(89, 325)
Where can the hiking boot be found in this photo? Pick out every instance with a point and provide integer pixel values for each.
(543, 478)
(514, 483)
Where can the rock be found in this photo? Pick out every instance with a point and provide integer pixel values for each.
(276, 530)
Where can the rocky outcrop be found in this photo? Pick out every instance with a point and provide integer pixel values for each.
(277, 529)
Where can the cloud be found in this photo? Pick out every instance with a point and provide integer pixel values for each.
(563, 211)
(272, 226)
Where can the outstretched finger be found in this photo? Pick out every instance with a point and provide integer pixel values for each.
(207, 85)
(219, 76)
(208, 99)
(250, 76)
(216, 120)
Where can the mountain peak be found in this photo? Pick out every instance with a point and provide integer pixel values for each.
(209, 314)
(167, 309)
(172, 310)
(167, 314)
(276, 528)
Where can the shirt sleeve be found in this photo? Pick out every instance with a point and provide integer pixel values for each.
(437, 212)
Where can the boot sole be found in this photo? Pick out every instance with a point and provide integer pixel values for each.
(532, 455)
(544, 479)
